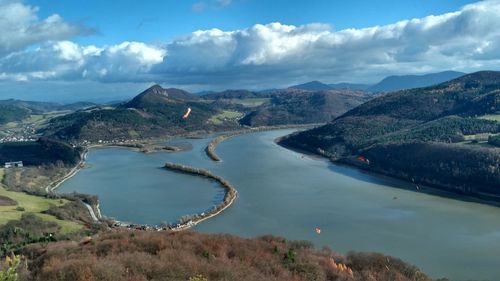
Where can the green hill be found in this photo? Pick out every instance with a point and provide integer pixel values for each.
(154, 112)
(300, 107)
(436, 135)
(12, 113)
(41, 152)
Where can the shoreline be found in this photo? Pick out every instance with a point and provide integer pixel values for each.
(96, 212)
(210, 148)
(423, 188)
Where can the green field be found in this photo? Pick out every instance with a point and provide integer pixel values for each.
(250, 102)
(225, 116)
(32, 204)
(493, 117)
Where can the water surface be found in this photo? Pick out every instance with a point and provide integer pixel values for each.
(283, 193)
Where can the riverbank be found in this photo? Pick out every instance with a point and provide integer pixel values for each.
(423, 187)
(210, 148)
(229, 196)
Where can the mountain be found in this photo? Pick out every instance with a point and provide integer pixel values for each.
(351, 86)
(39, 107)
(435, 135)
(294, 106)
(396, 83)
(154, 112)
(312, 86)
(318, 86)
(17, 110)
(12, 113)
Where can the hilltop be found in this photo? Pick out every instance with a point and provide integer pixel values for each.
(401, 82)
(192, 256)
(154, 112)
(16, 110)
(436, 135)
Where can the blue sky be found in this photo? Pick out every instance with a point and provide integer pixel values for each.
(109, 50)
(158, 21)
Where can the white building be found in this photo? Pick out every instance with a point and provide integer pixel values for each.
(16, 164)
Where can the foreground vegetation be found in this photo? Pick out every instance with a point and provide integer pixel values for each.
(36, 205)
(136, 256)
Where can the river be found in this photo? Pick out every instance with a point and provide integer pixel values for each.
(283, 193)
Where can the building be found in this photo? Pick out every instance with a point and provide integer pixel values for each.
(17, 164)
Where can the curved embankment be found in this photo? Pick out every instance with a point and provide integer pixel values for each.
(210, 149)
(51, 187)
(229, 197)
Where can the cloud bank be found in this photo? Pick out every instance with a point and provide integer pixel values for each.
(263, 55)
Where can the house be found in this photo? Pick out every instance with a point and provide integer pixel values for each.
(17, 164)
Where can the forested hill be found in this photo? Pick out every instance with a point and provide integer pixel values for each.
(443, 135)
(294, 106)
(154, 112)
(158, 112)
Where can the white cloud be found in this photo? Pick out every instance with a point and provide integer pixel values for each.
(468, 40)
(275, 54)
(69, 61)
(20, 27)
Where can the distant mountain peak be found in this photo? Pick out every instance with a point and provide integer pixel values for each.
(401, 82)
(156, 89)
(312, 86)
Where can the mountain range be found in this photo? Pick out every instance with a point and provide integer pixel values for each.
(388, 84)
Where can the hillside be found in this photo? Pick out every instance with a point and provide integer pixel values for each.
(41, 152)
(234, 94)
(154, 112)
(436, 135)
(191, 256)
(352, 86)
(301, 107)
(312, 86)
(12, 113)
(396, 83)
(319, 86)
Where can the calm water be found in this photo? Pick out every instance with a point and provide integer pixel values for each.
(282, 193)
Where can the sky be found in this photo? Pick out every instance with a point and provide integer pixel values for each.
(110, 50)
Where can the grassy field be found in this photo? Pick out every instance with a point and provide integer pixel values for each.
(32, 204)
(494, 117)
(250, 102)
(225, 116)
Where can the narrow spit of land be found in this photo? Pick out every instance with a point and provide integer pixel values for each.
(210, 149)
(229, 196)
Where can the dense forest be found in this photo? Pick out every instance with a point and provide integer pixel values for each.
(152, 113)
(304, 107)
(44, 151)
(437, 135)
(10, 113)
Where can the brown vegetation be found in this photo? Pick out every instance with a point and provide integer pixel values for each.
(140, 255)
(6, 201)
(34, 179)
